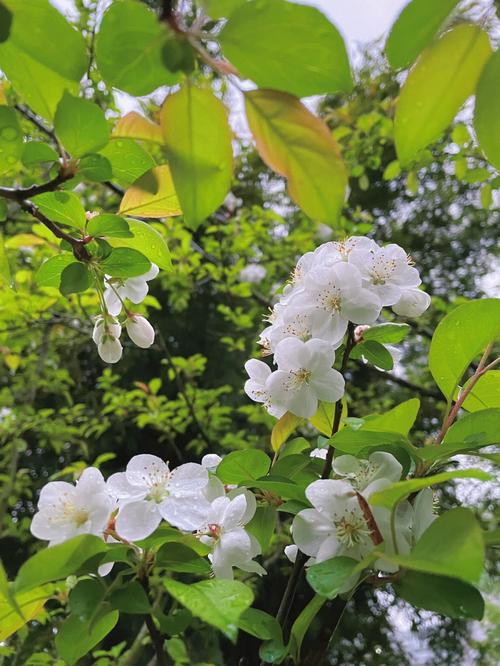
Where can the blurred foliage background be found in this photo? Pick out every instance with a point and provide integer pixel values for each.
(62, 409)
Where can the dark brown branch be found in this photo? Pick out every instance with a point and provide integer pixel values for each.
(33, 118)
(21, 193)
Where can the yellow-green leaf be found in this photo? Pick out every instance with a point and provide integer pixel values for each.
(442, 79)
(485, 394)
(299, 146)
(135, 126)
(5, 277)
(152, 195)
(487, 111)
(283, 428)
(147, 240)
(29, 603)
(198, 144)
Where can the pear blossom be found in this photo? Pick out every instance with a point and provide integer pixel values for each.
(106, 335)
(386, 271)
(66, 510)
(293, 322)
(149, 491)
(140, 330)
(304, 376)
(368, 476)
(232, 546)
(256, 387)
(134, 289)
(412, 303)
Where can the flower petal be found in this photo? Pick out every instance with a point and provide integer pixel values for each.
(137, 520)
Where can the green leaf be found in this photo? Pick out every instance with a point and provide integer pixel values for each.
(58, 562)
(107, 225)
(30, 604)
(459, 338)
(299, 146)
(474, 430)
(220, 603)
(80, 125)
(86, 597)
(485, 394)
(260, 624)
(390, 496)
(130, 598)
(219, 8)
(281, 486)
(287, 47)
(5, 23)
(262, 525)
(198, 146)
(182, 559)
(283, 428)
(94, 167)
(323, 419)
(387, 333)
(329, 577)
(445, 75)
(302, 624)
(414, 29)
(376, 354)
(37, 152)
(135, 126)
(487, 110)
(152, 195)
(361, 442)
(63, 207)
(5, 276)
(129, 49)
(77, 637)
(3, 210)
(440, 594)
(54, 43)
(129, 161)
(75, 278)
(147, 240)
(49, 273)
(240, 466)
(398, 419)
(11, 139)
(451, 546)
(125, 262)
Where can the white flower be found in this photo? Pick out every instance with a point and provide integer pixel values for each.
(412, 303)
(106, 336)
(256, 387)
(368, 476)
(291, 552)
(140, 331)
(335, 296)
(304, 376)
(319, 453)
(289, 322)
(252, 273)
(224, 531)
(148, 491)
(386, 271)
(66, 510)
(135, 289)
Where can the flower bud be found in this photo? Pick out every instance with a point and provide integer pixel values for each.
(140, 331)
(110, 349)
(359, 331)
(412, 303)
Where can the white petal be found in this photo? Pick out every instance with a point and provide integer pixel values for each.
(120, 488)
(54, 492)
(211, 461)
(328, 385)
(322, 354)
(220, 565)
(423, 512)
(112, 301)
(251, 503)
(145, 469)
(110, 349)
(361, 307)
(137, 520)
(346, 465)
(91, 481)
(291, 552)
(214, 489)
(413, 303)
(151, 274)
(140, 331)
(258, 371)
(188, 479)
(291, 354)
(234, 512)
(187, 514)
(252, 567)
(329, 496)
(310, 529)
(135, 289)
(235, 545)
(328, 549)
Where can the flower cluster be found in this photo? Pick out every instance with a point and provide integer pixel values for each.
(107, 328)
(131, 505)
(342, 521)
(338, 283)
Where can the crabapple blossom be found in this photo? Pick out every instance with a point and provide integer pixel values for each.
(386, 271)
(140, 330)
(412, 303)
(368, 476)
(134, 289)
(253, 273)
(106, 334)
(304, 376)
(149, 491)
(232, 546)
(66, 510)
(256, 387)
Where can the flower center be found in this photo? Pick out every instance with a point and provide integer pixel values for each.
(157, 492)
(330, 299)
(80, 517)
(352, 529)
(297, 378)
(382, 270)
